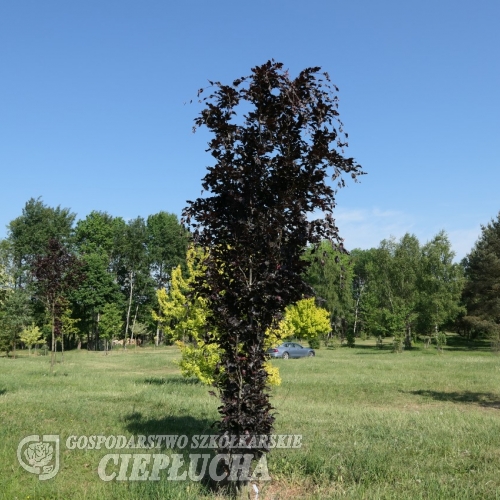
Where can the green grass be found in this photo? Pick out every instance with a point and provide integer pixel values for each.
(374, 424)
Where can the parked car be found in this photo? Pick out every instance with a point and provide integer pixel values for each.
(290, 350)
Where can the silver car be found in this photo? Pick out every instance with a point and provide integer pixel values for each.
(290, 350)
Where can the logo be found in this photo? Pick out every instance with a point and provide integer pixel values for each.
(39, 456)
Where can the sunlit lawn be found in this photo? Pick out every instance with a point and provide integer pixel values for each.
(375, 424)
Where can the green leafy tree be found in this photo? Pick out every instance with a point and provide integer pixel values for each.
(481, 293)
(31, 336)
(330, 274)
(441, 284)
(98, 289)
(440, 339)
(167, 243)
(406, 270)
(305, 320)
(99, 232)
(271, 166)
(134, 272)
(97, 238)
(30, 233)
(391, 274)
(6, 271)
(362, 265)
(15, 316)
(183, 314)
(406, 288)
(184, 318)
(111, 323)
(69, 326)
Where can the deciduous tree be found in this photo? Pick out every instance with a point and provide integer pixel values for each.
(167, 242)
(306, 320)
(441, 283)
(330, 273)
(31, 336)
(276, 140)
(111, 323)
(98, 238)
(56, 273)
(134, 276)
(482, 289)
(30, 233)
(15, 315)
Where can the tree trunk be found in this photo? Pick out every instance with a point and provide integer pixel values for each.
(133, 323)
(356, 317)
(157, 338)
(96, 347)
(408, 337)
(131, 283)
(133, 326)
(52, 360)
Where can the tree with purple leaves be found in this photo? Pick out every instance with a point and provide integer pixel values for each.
(56, 272)
(276, 141)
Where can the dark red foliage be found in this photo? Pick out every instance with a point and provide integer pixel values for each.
(55, 274)
(276, 141)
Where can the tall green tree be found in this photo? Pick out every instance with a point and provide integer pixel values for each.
(98, 239)
(275, 142)
(134, 271)
(391, 274)
(407, 288)
(167, 242)
(98, 233)
(362, 262)
(15, 315)
(441, 284)
(330, 274)
(111, 323)
(30, 233)
(406, 270)
(68, 325)
(482, 288)
(6, 274)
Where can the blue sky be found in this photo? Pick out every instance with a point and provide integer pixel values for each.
(92, 112)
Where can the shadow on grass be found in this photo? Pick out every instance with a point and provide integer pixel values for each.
(2, 391)
(186, 425)
(376, 350)
(372, 349)
(192, 451)
(171, 381)
(458, 343)
(174, 426)
(485, 399)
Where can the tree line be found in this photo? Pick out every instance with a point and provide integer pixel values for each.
(85, 282)
(404, 289)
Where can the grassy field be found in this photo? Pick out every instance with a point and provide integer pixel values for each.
(374, 424)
